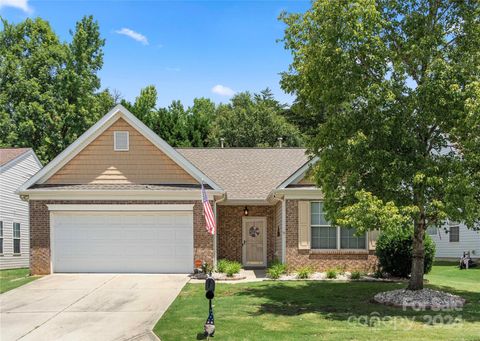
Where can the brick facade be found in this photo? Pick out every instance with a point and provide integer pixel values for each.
(229, 236)
(230, 230)
(40, 230)
(321, 261)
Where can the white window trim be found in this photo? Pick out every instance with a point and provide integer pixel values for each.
(19, 238)
(338, 248)
(115, 141)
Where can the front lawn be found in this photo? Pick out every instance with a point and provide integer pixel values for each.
(322, 311)
(13, 278)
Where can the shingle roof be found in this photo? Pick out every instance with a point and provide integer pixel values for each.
(9, 154)
(247, 173)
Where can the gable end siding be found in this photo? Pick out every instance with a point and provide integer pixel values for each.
(143, 163)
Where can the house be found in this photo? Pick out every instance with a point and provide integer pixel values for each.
(120, 199)
(17, 165)
(453, 239)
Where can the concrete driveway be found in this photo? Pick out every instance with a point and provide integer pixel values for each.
(87, 307)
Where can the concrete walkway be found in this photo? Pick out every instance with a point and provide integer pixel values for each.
(88, 307)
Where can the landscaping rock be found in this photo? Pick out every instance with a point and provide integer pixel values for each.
(420, 299)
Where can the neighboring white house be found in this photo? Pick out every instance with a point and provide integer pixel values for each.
(453, 240)
(17, 165)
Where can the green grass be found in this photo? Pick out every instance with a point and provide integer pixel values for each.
(322, 311)
(13, 278)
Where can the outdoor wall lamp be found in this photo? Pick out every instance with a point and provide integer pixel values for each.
(245, 211)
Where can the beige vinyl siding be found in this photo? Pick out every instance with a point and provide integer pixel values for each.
(14, 210)
(143, 163)
(278, 227)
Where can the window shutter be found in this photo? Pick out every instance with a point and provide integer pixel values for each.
(304, 225)
(372, 239)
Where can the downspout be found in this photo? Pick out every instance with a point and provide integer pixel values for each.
(283, 234)
(215, 236)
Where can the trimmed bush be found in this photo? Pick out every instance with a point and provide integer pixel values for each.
(304, 272)
(276, 270)
(232, 268)
(355, 275)
(222, 265)
(394, 252)
(331, 273)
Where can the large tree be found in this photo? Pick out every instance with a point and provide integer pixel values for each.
(49, 89)
(389, 93)
(254, 121)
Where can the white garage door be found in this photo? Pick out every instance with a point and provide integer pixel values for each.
(148, 242)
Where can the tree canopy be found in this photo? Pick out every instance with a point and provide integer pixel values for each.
(50, 94)
(249, 120)
(50, 89)
(389, 94)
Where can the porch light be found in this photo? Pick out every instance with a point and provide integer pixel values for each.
(245, 211)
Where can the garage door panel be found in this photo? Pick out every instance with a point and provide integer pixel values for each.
(123, 242)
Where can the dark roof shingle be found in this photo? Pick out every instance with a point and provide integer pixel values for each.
(247, 173)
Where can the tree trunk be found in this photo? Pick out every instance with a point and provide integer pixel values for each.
(416, 279)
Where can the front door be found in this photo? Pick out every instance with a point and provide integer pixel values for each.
(254, 241)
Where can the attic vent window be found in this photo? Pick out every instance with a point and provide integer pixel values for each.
(121, 141)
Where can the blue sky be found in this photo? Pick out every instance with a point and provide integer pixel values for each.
(186, 49)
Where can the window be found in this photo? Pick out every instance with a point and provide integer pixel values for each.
(325, 236)
(432, 230)
(348, 239)
(16, 238)
(121, 141)
(454, 234)
(1, 237)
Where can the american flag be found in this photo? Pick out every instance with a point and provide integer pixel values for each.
(208, 212)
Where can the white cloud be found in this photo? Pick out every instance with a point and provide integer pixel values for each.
(223, 90)
(173, 69)
(20, 4)
(132, 34)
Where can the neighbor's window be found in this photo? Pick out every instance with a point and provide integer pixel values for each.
(1, 237)
(121, 141)
(348, 239)
(454, 233)
(324, 236)
(16, 238)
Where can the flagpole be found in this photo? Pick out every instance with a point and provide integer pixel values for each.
(212, 216)
(215, 235)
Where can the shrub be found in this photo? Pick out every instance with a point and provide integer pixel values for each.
(394, 252)
(276, 270)
(222, 265)
(331, 273)
(232, 268)
(378, 273)
(207, 268)
(355, 275)
(304, 272)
